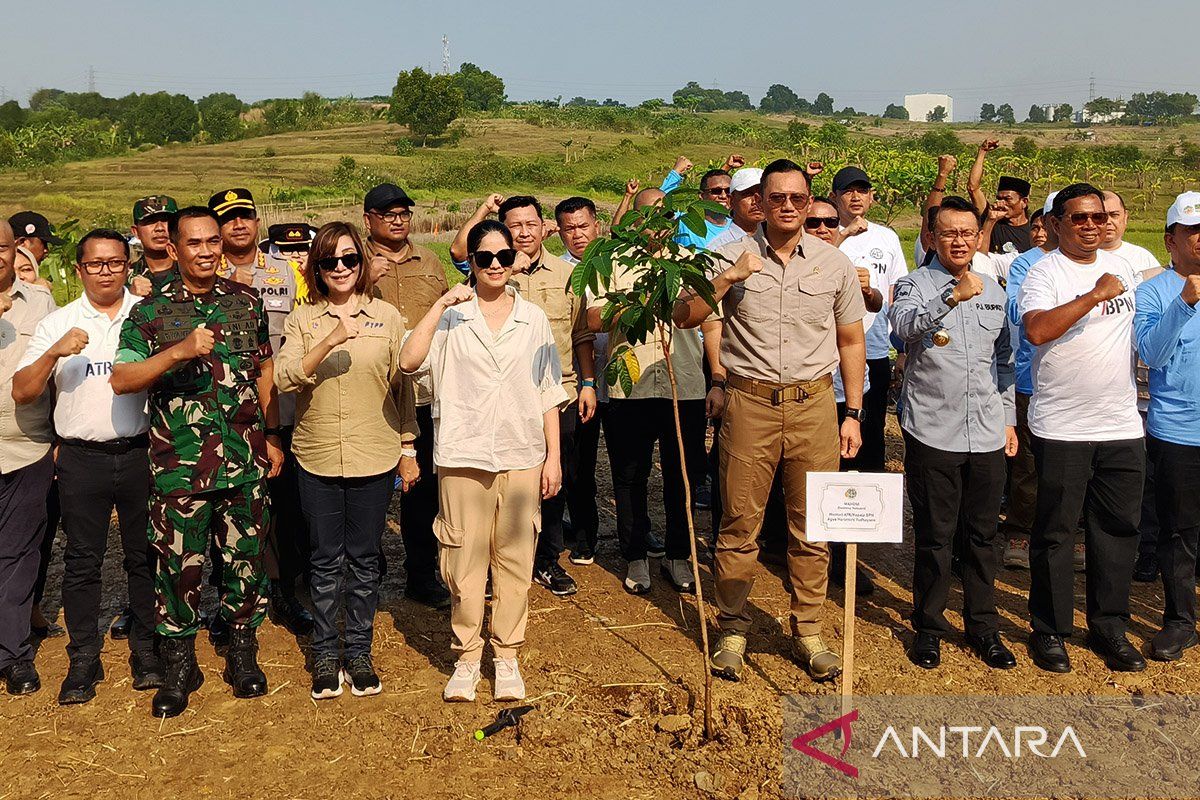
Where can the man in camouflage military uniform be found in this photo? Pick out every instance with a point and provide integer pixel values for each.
(155, 268)
(202, 349)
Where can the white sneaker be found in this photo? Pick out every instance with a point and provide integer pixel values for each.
(461, 686)
(637, 578)
(679, 572)
(509, 685)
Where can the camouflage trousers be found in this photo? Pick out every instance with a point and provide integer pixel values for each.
(237, 520)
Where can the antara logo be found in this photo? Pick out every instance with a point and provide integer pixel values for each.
(973, 741)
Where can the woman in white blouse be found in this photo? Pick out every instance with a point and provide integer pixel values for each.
(497, 389)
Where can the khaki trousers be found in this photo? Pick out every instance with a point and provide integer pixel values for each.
(756, 439)
(488, 520)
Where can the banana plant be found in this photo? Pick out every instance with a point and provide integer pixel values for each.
(641, 245)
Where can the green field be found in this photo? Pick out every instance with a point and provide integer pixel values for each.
(301, 175)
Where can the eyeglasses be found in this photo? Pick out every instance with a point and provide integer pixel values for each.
(394, 216)
(483, 258)
(966, 236)
(100, 266)
(814, 223)
(350, 261)
(1081, 218)
(779, 199)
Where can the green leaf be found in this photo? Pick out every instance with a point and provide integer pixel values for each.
(693, 220)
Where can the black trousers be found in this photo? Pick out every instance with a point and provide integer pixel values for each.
(53, 516)
(870, 456)
(550, 542)
(1149, 528)
(1103, 481)
(581, 493)
(22, 528)
(420, 507)
(91, 484)
(948, 490)
(288, 551)
(631, 431)
(1177, 475)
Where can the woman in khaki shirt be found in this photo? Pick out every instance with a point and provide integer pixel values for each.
(355, 424)
(497, 389)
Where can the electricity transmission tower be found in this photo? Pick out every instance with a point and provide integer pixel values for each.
(445, 55)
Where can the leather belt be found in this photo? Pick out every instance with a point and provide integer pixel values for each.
(780, 393)
(112, 446)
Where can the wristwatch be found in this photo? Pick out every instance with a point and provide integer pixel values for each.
(948, 297)
(408, 452)
(588, 383)
(273, 432)
(854, 413)
(718, 383)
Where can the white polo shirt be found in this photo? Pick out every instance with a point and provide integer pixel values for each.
(85, 406)
(878, 250)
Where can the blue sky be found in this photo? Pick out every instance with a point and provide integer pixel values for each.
(866, 54)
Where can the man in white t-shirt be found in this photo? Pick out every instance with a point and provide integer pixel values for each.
(1077, 306)
(102, 461)
(1139, 258)
(877, 248)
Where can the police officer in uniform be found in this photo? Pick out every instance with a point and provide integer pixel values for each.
(280, 284)
(959, 422)
(202, 349)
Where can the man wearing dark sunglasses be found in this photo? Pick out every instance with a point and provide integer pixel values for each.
(1077, 305)
(410, 277)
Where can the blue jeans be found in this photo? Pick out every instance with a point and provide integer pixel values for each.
(346, 518)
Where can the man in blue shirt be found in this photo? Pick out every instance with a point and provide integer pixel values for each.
(1022, 477)
(1168, 339)
(714, 187)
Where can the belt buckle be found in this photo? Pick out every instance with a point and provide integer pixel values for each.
(777, 397)
(781, 395)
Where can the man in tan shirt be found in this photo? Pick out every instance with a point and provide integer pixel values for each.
(26, 469)
(546, 284)
(792, 308)
(644, 416)
(411, 278)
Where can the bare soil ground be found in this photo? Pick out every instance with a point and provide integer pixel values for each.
(615, 678)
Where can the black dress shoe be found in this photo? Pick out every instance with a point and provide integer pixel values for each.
(1118, 654)
(991, 651)
(120, 627)
(926, 651)
(147, 669)
(50, 630)
(80, 684)
(21, 678)
(1145, 569)
(1049, 652)
(288, 611)
(1169, 643)
(218, 630)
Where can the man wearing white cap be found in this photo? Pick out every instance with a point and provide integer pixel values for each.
(1022, 476)
(1168, 339)
(744, 207)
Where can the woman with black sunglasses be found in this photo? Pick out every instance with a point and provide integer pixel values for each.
(497, 390)
(355, 425)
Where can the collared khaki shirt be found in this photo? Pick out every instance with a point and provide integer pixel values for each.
(781, 323)
(547, 286)
(415, 282)
(687, 355)
(25, 431)
(354, 412)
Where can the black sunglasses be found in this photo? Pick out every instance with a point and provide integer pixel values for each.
(349, 261)
(812, 223)
(484, 258)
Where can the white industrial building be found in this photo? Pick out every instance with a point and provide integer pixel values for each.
(918, 106)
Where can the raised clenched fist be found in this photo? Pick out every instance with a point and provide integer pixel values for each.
(968, 286)
(71, 343)
(492, 203)
(864, 278)
(813, 169)
(1109, 287)
(857, 225)
(735, 161)
(989, 145)
(1191, 290)
(380, 267)
(5, 303)
(946, 164)
(682, 165)
(457, 294)
(198, 343)
(746, 265)
(631, 187)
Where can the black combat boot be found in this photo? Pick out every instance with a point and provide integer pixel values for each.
(241, 664)
(181, 676)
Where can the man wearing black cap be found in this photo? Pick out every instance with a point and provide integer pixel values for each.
(156, 268)
(411, 278)
(1013, 233)
(280, 283)
(238, 217)
(32, 232)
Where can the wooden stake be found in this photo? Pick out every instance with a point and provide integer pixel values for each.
(848, 626)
